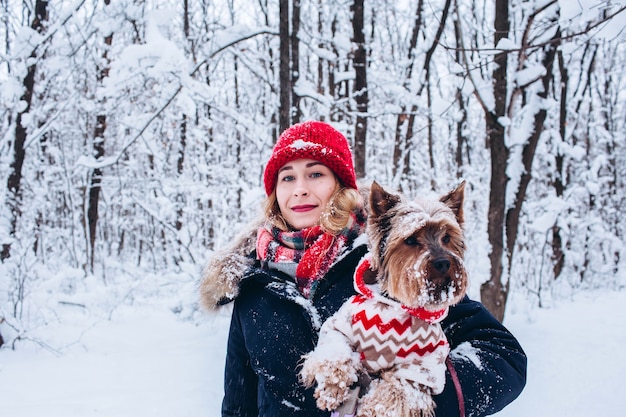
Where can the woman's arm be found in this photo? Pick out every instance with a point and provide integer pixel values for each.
(240, 381)
(489, 363)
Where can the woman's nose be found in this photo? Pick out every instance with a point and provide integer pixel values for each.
(300, 189)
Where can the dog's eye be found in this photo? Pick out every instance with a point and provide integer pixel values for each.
(446, 239)
(411, 241)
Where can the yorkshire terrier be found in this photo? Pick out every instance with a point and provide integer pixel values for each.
(390, 332)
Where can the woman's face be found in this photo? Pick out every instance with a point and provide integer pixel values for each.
(303, 189)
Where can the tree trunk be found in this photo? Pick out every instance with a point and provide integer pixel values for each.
(332, 63)
(427, 83)
(180, 165)
(294, 73)
(237, 144)
(461, 140)
(95, 185)
(410, 128)
(321, 87)
(558, 256)
(284, 68)
(360, 87)
(14, 181)
(493, 293)
(528, 153)
(401, 151)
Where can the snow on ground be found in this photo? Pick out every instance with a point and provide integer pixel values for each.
(151, 363)
(575, 354)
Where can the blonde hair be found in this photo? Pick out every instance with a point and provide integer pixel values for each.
(334, 218)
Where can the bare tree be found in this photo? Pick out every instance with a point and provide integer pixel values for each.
(405, 124)
(558, 255)
(98, 152)
(504, 216)
(181, 133)
(14, 182)
(401, 149)
(493, 292)
(360, 87)
(284, 113)
(294, 53)
(461, 139)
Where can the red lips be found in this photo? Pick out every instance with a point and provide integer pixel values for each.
(303, 208)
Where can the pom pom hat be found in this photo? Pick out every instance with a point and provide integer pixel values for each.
(311, 140)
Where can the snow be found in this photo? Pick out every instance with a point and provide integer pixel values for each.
(139, 363)
(153, 357)
(147, 361)
(581, 11)
(467, 352)
(575, 357)
(506, 44)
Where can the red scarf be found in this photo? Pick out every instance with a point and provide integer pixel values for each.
(312, 250)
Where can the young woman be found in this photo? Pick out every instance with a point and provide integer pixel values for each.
(296, 270)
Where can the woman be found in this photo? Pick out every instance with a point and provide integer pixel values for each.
(294, 272)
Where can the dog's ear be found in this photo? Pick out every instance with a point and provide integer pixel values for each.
(381, 201)
(455, 199)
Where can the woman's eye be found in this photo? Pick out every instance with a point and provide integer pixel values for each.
(316, 175)
(287, 178)
(446, 239)
(411, 241)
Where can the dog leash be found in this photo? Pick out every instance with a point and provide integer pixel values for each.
(457, 386)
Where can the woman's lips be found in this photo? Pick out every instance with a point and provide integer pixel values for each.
(303, 208)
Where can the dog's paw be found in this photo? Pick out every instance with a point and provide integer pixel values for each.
(384, 399)
(390, 396)
(333, 379)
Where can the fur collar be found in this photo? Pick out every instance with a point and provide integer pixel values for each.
(226, 268)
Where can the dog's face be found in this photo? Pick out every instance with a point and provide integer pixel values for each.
(417, 247)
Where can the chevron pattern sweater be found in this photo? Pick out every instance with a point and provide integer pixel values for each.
(390, 336)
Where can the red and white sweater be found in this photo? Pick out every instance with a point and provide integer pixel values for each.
(390, 336)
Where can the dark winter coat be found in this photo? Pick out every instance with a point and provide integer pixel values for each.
(273, 326)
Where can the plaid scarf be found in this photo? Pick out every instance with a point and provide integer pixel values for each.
(310, 251)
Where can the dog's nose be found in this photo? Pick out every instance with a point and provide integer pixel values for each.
(441, 265)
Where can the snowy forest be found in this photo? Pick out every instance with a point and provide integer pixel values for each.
(133, 136)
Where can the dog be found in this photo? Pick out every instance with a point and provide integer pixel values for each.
(390, 332)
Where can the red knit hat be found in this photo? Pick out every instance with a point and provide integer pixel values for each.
(311, 140)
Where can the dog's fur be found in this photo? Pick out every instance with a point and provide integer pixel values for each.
(416, 260)
(424, 233)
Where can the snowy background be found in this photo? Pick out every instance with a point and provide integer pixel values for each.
(146, 360)
(113, 329)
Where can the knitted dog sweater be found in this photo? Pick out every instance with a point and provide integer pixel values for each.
(390, 336)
